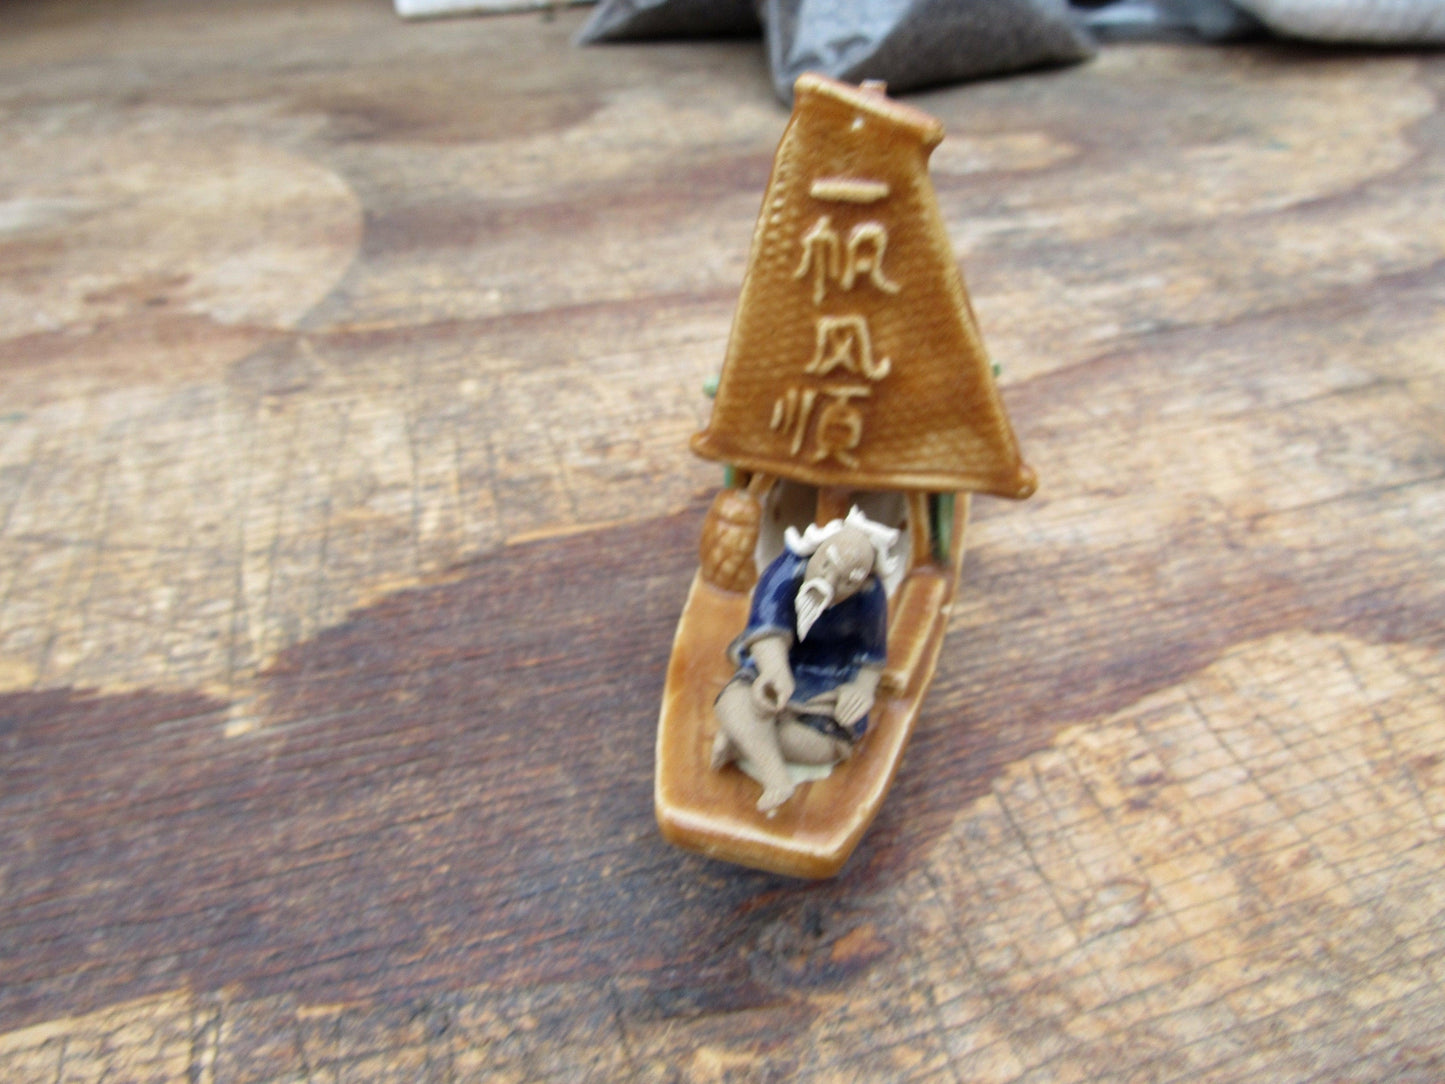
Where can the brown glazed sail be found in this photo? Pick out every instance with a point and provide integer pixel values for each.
(854, 359)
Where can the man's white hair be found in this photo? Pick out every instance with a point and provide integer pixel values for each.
(885, 561)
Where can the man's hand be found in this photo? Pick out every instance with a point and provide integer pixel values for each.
(855, 698)
(772, 691)
(774, 685)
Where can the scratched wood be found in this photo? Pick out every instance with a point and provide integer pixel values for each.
(346, 369)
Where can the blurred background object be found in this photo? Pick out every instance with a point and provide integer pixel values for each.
(911, 44)
(429, 9)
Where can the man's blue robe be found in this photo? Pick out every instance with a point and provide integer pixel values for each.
(846, 637)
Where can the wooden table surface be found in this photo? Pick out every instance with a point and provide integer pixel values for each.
(346, 371)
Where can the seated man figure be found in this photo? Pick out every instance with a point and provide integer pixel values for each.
(811, 656)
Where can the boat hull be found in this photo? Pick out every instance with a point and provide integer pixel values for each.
(814, 832)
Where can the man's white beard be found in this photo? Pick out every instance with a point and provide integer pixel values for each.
(812, 599)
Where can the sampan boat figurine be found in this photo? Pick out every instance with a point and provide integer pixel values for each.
(857, 412)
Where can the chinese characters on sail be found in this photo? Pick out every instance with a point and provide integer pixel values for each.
(822, 414)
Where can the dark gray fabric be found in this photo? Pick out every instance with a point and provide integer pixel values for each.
(906, 43)
(918, 43)
(634, 20)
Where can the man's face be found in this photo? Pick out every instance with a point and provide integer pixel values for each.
(838, 570)
(845, 561)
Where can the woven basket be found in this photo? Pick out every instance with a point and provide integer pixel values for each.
(729, 537)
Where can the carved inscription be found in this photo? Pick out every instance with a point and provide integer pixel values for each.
(830, 260)
(829, 413)
(867, 242)
(822, 414)
(843, 342)
(848, 190)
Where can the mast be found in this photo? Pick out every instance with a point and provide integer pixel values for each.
(855, 360)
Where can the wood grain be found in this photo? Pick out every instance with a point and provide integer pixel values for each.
(346, 372)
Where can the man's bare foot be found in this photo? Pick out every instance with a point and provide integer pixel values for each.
(775, 796)
(724, 751)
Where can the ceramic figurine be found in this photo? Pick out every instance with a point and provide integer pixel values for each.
(811, 656)
(857, 411)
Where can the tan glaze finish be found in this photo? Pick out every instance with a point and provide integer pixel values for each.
(855, 363)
